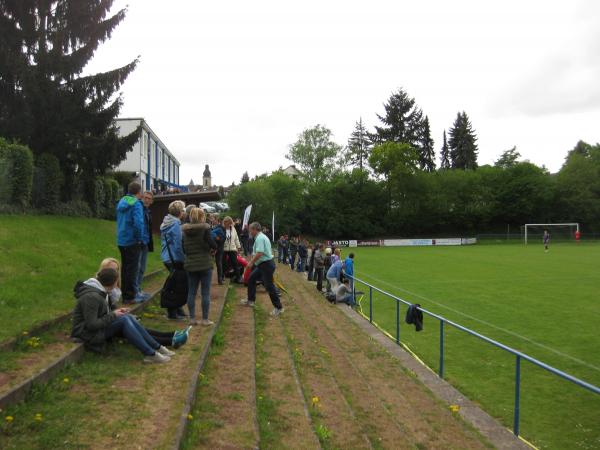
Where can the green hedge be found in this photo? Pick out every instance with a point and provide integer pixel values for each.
(16, 171)
(47, 182)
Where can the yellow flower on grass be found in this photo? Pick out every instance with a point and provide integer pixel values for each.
(190, 417)
(66, 380)
(9, 419)
(315, 401)
(454, 408)
(25, 333)
(38, 417)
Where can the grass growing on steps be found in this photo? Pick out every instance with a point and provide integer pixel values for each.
(41, 259)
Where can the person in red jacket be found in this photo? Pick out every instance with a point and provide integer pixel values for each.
(577, 236)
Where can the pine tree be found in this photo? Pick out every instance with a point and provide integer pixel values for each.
(462, 143)
(426, 153)
(359, 148)
(445, 154)
(403, 122)
(45, 101)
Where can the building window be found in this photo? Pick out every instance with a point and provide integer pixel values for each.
(145, 144)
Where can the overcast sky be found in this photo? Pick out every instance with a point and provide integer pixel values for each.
(232, 83)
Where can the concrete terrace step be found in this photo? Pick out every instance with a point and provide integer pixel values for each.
(116, 401)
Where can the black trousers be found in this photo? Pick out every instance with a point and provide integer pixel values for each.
(164, 338)
(319, 275)
(265, 272)
(292, 260)
(130, 267)
(233, 262)
(219, 263)
(172, 313)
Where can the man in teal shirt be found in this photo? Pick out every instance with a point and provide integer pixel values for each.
(263, 268)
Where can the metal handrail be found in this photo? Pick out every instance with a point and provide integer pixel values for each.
(519, 355)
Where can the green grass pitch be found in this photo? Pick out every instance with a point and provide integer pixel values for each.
(544, 304)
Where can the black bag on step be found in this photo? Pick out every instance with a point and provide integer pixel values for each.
(175, 290)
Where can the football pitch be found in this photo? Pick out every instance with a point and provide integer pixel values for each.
(544, 304)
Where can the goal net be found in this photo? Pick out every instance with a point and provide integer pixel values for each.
(534, 232)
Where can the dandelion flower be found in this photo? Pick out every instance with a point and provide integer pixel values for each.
(454, 408)
(190, 417)
(315, 400)
(66, 380)
(38, 417)
(9, 419)
(25, 333)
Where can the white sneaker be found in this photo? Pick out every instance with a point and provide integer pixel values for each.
(245, 302)
(157, 358)
(165, 351)
(207, 323)
(277, 312)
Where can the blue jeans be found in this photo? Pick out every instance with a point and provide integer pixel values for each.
(348, 299)
(142, 269)
(129, 328)
(264, 271)
(292, 260)
(301, 264)
(203, 278)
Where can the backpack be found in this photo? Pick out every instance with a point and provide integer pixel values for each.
(175, 289)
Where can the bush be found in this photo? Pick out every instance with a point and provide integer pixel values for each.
(74, 208)
(112, 192)
(16, 173)
(47, 182)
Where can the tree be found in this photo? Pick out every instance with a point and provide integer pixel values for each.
(315, 152)
(462, 143)
(426, 153)
(508, 158)
(245, 178)
(403, 122)
(45, 102)
(445, 154)
(359, 149)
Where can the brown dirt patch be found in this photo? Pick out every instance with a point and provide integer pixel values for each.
(380, 388)
(292, 425)
(231, 387)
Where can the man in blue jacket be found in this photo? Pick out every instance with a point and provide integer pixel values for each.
(147, 245)
(349, 269)
(130, 231)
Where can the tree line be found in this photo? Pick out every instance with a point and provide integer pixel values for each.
(386, 182)
(65, 118)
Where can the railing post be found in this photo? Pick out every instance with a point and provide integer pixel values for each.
(517, 412)
(397, 322)
(370, 304)
(441, 372)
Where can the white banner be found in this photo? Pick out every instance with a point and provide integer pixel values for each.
(407, 242)
(247, 216)
(447, 241)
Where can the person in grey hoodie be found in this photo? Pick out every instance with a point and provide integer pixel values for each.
(95, 323)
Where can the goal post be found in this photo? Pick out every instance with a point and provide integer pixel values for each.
(571, 225)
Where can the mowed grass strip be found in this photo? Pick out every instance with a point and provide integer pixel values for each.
(396, 410)
(112, 400)
(33, 352)
(41, 259)
(224, 413)
(282, 411)
(545, 304)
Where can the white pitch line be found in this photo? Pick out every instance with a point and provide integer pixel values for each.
(504, 330)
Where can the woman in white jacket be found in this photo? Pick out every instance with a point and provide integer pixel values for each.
(231, 248)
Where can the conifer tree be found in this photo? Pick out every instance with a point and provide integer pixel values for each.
(359, 148)
(426, 150)
(462, 143)
(445, 154)
(45, 101)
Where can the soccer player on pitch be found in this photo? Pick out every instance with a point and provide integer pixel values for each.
(546, 240)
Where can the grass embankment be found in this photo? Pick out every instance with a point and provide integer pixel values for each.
(544, 304)
(41, 259)
(111, 400)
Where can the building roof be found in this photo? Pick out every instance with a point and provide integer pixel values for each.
(145, 125)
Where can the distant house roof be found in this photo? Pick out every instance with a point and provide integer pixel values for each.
(292, 171)
(191, 183)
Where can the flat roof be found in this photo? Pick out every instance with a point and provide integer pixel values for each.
(144, 124)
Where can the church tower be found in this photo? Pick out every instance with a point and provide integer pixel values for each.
(206, 178)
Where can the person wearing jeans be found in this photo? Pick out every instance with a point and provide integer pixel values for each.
(95, 322)
(263, 268)
(198, 246)
(147, 245)
(130, 230)
(202, 278)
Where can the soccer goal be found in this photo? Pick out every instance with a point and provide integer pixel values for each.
(562, 231)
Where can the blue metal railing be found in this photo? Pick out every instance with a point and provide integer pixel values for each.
(518, 355)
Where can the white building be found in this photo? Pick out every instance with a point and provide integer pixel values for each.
(149, 157)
